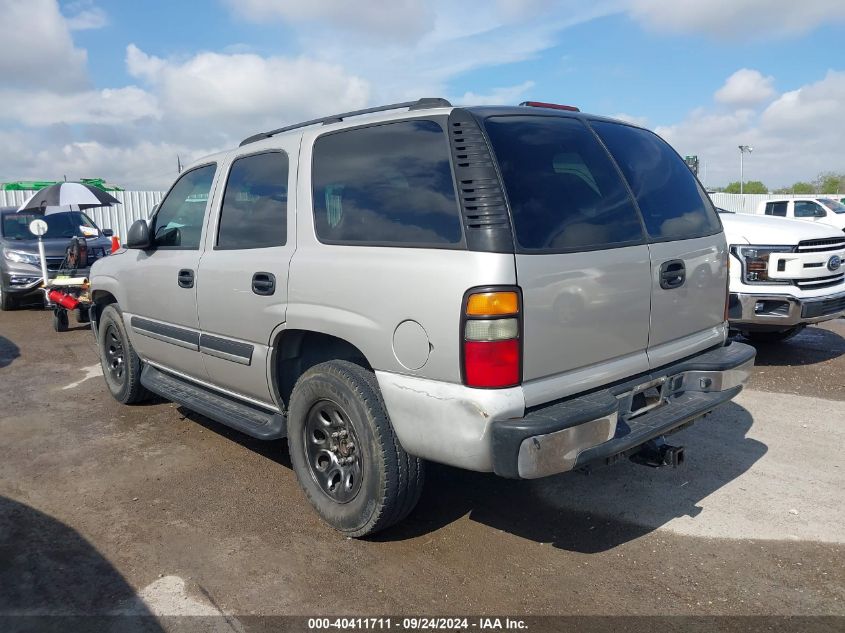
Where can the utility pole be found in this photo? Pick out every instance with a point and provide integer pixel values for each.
(742, 151)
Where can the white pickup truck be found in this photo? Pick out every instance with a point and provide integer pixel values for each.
(784, 275)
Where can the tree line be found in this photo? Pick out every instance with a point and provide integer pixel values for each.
(828, 182)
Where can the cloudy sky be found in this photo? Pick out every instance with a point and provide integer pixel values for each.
(116, 89)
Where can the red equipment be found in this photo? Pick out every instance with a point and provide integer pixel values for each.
(60, 298)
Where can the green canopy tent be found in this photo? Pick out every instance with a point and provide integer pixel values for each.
(35, 185)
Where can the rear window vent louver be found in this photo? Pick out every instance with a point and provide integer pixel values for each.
(485, 214)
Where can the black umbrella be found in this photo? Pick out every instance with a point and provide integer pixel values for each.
(69, 193)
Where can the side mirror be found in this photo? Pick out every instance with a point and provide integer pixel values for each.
(107, 232)
(139, 235)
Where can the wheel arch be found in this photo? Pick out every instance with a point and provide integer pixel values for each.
(100, 299)
(295, 351)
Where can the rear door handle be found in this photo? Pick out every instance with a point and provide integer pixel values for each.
(264, 284)
(673, 274)
(186, 278)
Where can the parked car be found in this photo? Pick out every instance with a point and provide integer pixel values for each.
(820, 210)
(20, 263)
(785, 274)
(508, 289)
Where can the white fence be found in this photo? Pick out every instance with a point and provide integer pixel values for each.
(135, 205)
(748, 202)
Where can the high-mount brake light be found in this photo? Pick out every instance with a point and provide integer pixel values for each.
(491, 332)
(553, 106)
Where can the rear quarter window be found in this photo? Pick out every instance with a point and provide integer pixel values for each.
(672, 203)
(388, 184)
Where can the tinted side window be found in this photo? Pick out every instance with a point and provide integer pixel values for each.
(776, 208)
(178, 222)
(672, 203)
(386, 184)
(254, 211)
(564, 192)
(807, 209)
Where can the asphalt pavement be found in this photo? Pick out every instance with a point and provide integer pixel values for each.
(154, 509)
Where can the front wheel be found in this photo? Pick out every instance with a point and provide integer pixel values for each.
(773, 337)
(121, 365)
(344, 451)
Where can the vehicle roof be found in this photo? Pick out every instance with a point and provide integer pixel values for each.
(483, 112)
(318, 128)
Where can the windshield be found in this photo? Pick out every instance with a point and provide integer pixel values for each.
(833, 205)
(59, 225)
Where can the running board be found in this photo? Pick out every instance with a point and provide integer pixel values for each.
(242, 416)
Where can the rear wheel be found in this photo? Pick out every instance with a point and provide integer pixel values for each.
(773, 337)
(344, 452)
(121, 365)
(7, 301)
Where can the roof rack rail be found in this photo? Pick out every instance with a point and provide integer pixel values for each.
(419, 104)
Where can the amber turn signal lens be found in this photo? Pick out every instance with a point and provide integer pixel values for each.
(492, 303)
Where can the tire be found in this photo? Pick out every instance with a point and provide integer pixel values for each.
(7, 301)
(386, 482)
(773, 337)
(121, 365)
(60, 320)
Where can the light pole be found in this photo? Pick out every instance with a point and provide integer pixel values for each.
(743, 149)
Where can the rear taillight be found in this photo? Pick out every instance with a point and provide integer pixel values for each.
(491, 332)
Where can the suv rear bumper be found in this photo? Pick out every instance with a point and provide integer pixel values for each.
(490, 430)
(783, 310)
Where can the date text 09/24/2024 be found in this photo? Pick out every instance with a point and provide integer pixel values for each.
(417, 624)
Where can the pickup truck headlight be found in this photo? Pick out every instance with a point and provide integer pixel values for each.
(21, 257)
(755, 263)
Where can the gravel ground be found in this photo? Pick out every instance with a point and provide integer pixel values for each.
(154, 509)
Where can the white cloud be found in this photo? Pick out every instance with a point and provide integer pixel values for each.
(393, 20)
(36, 48)
(796, 137)
(737, 19)
(631, 118)
(144, 165)
(237, 90)
(746, 87)
(84, 15)
(498, 96)
(104, 107)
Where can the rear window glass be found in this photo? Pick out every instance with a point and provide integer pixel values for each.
(672, 203)
(833, 205)
(563, 189)
(776, 208)
(385, 184)
(254, 212)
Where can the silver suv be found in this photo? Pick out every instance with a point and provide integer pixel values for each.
(524, 290)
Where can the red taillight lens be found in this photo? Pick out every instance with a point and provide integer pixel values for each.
(491, 329)
(491, 363)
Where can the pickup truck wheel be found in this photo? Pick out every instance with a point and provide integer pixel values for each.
(344, 452)
(121, 365)
(773, 337)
